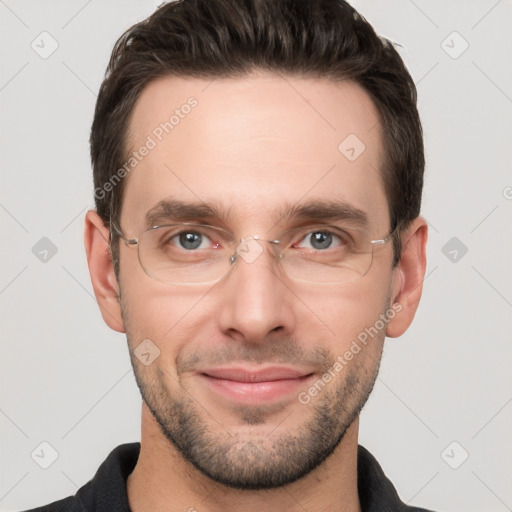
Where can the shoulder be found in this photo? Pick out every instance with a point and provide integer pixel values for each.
(70, 504)
(106, 491)
(376, 492)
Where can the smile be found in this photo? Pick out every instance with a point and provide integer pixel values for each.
(254, 387)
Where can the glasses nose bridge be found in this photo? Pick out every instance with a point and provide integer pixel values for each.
(164, 261)
(251, 247)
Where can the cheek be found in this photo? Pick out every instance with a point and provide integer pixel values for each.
(350, 313)
(160, 313)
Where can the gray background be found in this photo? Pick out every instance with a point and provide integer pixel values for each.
(66, 378)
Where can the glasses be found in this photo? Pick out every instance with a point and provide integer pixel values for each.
(193, 254)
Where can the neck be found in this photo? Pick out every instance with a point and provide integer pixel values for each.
(162, 480)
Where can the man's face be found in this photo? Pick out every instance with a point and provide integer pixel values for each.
(252, 146)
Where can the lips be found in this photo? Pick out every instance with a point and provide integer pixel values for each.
(254, 386)
(263, 375)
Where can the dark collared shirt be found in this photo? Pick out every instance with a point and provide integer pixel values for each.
(106, 492)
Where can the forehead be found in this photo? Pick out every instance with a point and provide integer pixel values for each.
(253, 143)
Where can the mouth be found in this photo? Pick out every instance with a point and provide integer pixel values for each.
(247, 386)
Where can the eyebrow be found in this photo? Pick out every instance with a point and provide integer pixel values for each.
(316, 210)
(175, 210)
(325, 211)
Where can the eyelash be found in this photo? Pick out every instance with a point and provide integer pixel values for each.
(342, 238)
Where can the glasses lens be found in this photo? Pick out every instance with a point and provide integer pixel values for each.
(327, 254)
(184, 253)
(200, 254)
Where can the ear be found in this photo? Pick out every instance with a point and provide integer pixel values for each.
(101, 268)
(408, 277)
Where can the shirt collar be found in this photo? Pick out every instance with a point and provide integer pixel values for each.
(107, 490)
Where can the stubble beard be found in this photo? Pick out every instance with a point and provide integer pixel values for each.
(245, 461)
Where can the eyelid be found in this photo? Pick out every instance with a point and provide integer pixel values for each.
(211, 232)
(287, 235)
(331, 228)
(191, 225)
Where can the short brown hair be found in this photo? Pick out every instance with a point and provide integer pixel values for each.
(230, 38)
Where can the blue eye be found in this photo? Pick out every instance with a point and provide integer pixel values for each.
(190, 240)
(320, 240)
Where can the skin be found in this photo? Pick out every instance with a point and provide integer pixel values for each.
(252, 144)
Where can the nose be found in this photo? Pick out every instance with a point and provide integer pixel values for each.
(255, 299)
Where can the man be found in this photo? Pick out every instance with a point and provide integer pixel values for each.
(258, 169)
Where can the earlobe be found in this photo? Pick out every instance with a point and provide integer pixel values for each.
(101, 269)
(408, 277)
